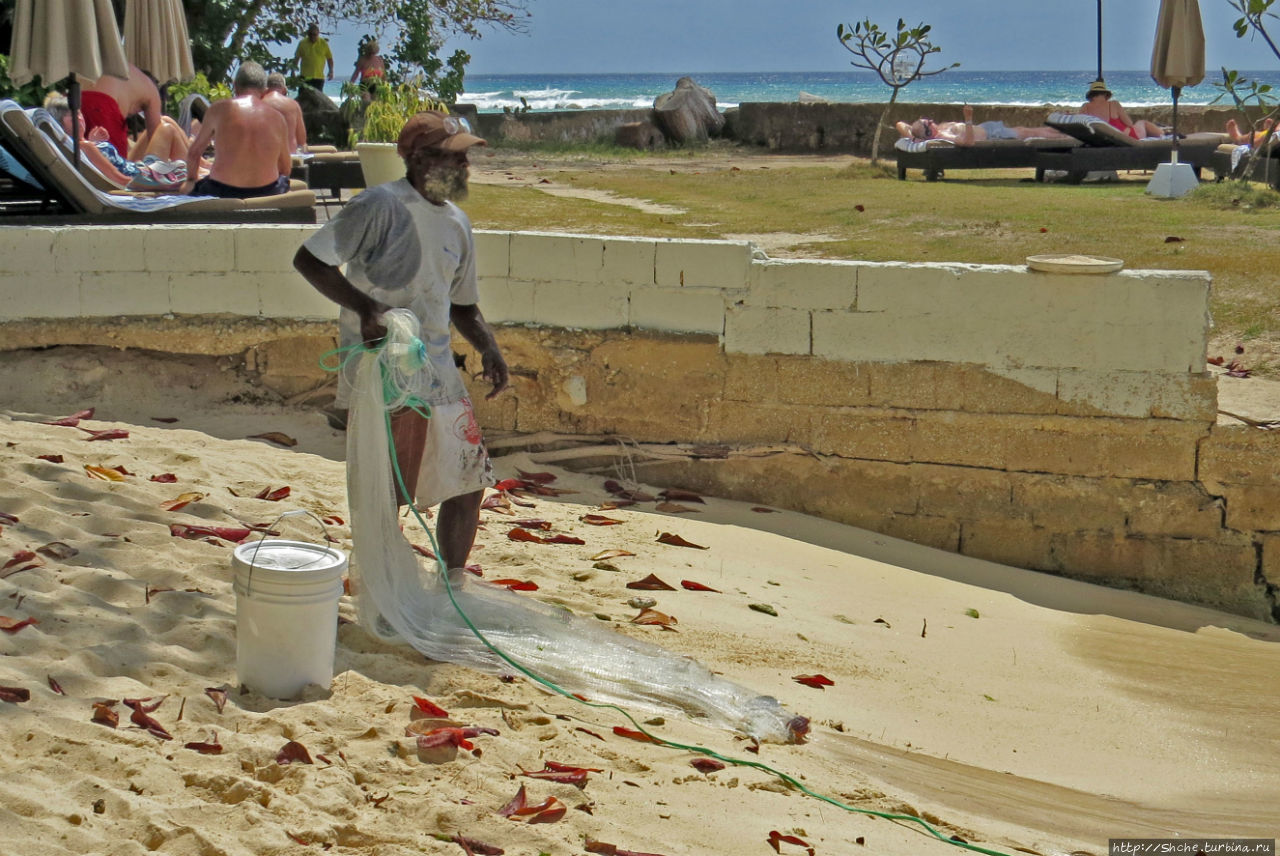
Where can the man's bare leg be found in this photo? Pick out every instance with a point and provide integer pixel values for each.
(456, 528)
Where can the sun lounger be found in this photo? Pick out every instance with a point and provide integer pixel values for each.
(934, 157)
(1243, 162)
(1106, 148)
(70, 198)
(330, 170)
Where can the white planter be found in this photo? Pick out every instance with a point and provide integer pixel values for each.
(380, 163)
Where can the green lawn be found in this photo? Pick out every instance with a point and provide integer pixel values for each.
(855, 211)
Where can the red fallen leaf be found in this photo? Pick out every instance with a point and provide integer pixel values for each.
(105, 473)
(451, 735)
(21, 557)
(232, 534)
(219, 697)
(677, 541)
(692, 586)
(543, 490)
(106, 434)
(1239, 349)
(652, 616)
(15, 695)
(167, 420)
(275, 437)
(54, 685)
(518, 534)
(13, 625)
(563, 539)
(650, 583)
(674, 508)
(1173, 239)
(334, 520)
(497, 502)
(533, 523)
(297, 839)
(293, 752)
(599, 520)
(561, 774)
(588, 732)
(421, 550)
(550, 811)
(509, 484)
(145, 705)
(57, 550)
(473, 569)
(632, 734)
(104, 713)
(211, 747)
(611, 554)
(859, 208)
(1216, 361)
(613, 504)
(516, 585)
(1044, 229)
(760, 509)
(516, 500)
(72, 421)
(53, 459)
(430, 708)
(815, 681)
(273, 495)
(474, 848)
(142, 720)
(674, 493)
(775, 837)
(516, 803)
(617, 489)
(537, 478)
(181, 501)
(7, 519)
(707, 765)
(164, 478)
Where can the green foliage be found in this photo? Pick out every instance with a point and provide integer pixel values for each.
(29, 94)
(1235, 195)
(380, 119)
(1255, 100)
(898, 58)
(199, 85)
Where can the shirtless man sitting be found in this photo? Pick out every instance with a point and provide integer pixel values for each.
(278, 97)
(966, 133)
(252, 139)
(108, 101)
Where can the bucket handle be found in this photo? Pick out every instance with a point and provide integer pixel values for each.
(297, 512)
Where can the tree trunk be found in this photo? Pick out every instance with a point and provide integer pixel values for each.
(884, 115)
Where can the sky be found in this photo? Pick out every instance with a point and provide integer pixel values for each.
(690, 36)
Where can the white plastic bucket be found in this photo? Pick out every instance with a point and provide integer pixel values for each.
(286, 615)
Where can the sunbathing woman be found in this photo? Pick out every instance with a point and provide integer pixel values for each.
(1240, 138)
(966, 133)
(1098, 103)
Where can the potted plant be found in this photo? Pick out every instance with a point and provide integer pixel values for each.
(376, 119)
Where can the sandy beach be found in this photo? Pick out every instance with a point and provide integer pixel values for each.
(1016, 711)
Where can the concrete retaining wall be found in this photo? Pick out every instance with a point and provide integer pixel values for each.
(1056, 422)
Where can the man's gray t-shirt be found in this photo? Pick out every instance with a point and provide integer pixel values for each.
(411, 254)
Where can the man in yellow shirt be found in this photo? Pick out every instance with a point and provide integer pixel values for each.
(312, 54)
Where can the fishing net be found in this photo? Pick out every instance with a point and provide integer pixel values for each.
(453, 617)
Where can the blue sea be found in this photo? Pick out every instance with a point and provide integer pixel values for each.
(543, 92)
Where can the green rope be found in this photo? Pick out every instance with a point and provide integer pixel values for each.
(558, 690)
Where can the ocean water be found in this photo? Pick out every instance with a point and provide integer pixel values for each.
(543, 92)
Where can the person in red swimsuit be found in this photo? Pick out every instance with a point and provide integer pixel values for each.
(108, 101)
(1098, 103)
(370, 68)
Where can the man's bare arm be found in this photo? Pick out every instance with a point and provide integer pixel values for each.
(198, 146)
(329, 281)
(471, 324)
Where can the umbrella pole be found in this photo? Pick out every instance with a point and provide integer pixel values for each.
(73, 101)
(1099, 40)
(1177, 90)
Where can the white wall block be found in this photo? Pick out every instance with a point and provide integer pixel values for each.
(26, 249)
(556, 258)
(288, 295)
(758, 330)
(39, 294)
(270, 247)
(678, 310)
(100, 248)
(702, 264)
(629, 261)
(493, 254)
(506, 301)
(113, 294)
(584, 306)
(804, 284)
(197, 248)
(205, 293)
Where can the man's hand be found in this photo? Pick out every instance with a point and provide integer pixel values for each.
(98, 134)
(494, 371)
(372, 330)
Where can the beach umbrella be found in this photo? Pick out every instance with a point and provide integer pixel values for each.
(1099, 77)
(57, 39)
(1177, 60)
(155, 39)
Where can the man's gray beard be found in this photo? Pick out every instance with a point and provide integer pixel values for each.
(442, 184)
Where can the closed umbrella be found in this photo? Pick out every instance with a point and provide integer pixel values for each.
(155, 38)
(65, 38)
(1177, 60)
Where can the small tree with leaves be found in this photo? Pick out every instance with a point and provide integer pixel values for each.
(1257, 101)
(898, 58)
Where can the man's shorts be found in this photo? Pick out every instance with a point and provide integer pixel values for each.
(445, 454)
(997, 130)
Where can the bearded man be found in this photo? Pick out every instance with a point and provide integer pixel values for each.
(407, 245)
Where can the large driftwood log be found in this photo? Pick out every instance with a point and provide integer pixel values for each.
(688, 114)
